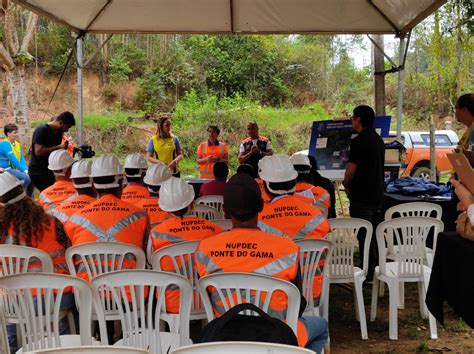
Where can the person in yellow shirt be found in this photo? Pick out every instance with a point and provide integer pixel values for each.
(164, 146)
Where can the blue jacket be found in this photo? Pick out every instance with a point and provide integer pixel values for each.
(8, 159)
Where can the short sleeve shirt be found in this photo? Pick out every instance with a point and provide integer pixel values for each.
(254, 142)
(367, 151)
(43, 135)
(151, 149)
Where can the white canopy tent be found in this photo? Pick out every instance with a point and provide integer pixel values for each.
(395, 17)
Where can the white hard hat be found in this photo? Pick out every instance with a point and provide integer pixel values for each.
(157, 174)
(9, 182)
(105, 166)
(277, 169)
(81, 169)
(59, 161)
(300, 159)
(136, 161)
(175, 194)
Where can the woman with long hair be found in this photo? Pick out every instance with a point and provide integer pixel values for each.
(25, 223)
(164, 146)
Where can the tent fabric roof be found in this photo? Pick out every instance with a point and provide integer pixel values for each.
(236, 16)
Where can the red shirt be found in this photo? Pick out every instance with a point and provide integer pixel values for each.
(212, 188)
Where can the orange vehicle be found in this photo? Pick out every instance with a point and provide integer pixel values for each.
(417, 160)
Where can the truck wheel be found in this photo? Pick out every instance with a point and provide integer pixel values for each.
(424, 172)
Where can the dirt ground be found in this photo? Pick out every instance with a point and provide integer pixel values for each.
(413, 331)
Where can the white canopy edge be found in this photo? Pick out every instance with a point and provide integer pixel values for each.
(236, 16)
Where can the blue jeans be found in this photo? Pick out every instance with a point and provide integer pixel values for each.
(318, 332)
(25, 180)
(67, 302)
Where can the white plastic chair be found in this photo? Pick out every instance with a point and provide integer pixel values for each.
(92, 350)
(139, 316)
(4, 348)
(249, 288)
(312, 254)
(98, 258)
(214, 201)
(226, 224)
(413, 209)
(206, 212)
(323, 209)
(410, 234)
(38, 316)
(182, 257)
(343, 236)
(240, 347)
(16, 259)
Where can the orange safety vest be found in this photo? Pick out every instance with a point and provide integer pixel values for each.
(251, 251)
(266, 198)
(319, 194)
(175, 230)
(206, 170)
(134, 191)
(108, 219)
(47, 243)
(290, 217)
(66, 209)
(150, 205)
(56, 194)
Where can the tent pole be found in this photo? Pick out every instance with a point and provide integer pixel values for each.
(401, 83)
(379, 75)
(79, 64)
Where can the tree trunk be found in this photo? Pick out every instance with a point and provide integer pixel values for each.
(17, 85)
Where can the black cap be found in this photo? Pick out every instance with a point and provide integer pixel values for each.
(242, 197)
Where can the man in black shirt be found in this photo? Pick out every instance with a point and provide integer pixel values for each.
(46, 139)
(364, 178)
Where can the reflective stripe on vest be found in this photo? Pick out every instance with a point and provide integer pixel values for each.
(207, 262)
(309, 227)
(271, 230)
(48, 204)
(278, 265)
(110, 234)
(60, 215)
(167, 237)
(206, 170)
(307, 193)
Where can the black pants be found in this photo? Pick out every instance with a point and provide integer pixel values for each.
(42, 180)
(375, 216)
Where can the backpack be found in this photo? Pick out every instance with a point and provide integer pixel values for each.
(234, 327)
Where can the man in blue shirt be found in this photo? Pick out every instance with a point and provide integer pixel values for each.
(12, 159)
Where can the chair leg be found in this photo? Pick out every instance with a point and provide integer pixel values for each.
(354, 295)
(325, 304)
(393, 292)
(421, 300)
(375, 289)
(401, 305)
(431, 319)
(71, 322)
(382, 289)
(359, 305)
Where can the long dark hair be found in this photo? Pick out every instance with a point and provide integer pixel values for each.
(25, 217)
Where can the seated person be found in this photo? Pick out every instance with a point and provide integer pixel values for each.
(25, 223)
(216, 186)
(243, 202)
(135, 169)
(325, 183)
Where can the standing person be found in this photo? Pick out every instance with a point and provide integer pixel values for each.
(46, 139)
(464, 112)
(165, 147)
(80, 176)
(255, 147)
(243, 202)
(364, 178)
(216, 187)
(210, 152)
(12, 158)
(25, 223)
(135, 169)
(60, 163)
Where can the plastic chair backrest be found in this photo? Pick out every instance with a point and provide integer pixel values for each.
(343, 237)
(182, 257)
(205, 212)
(315, 257)
(423, 209)
(323, 209)
(410, 234)
(226, 224)
(240, 347)
(139, 316)
(98, 258)
(232, 289)
(92, 350)
(214, 201)
(17, 260)
(38, 316)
